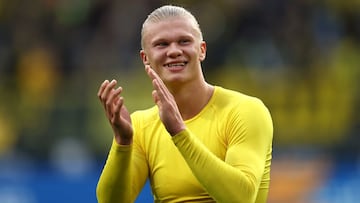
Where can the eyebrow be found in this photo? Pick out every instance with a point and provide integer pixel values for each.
(160, 39)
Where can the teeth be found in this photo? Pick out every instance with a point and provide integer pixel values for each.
(176, 64)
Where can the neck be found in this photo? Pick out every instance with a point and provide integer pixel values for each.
(191, 100)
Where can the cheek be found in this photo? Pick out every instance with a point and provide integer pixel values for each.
(156, 59)
(198, 53)
(157, 55)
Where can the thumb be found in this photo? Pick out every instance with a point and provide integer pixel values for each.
(155, 97)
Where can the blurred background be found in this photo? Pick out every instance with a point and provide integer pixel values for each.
(301, 57)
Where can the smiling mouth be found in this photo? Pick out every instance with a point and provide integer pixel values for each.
(175, 65)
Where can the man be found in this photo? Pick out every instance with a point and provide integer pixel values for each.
(199, 143)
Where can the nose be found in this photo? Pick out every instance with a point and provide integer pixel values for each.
(174, 50)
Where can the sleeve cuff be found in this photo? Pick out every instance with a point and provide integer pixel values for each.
(180, 136)
(120, 148)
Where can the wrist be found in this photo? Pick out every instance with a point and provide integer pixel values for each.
(176, 131)
(123, 141)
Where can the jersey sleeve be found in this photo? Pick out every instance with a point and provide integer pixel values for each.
(124, 174)
(116, 175)
(238, 177)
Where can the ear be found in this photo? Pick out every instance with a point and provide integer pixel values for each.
(144, 57)
(202, 51)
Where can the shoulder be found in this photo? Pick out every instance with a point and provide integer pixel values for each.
(243, 111)
(235, 99)
(239, 106)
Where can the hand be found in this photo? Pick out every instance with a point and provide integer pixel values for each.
(116, 112)
(168, 109)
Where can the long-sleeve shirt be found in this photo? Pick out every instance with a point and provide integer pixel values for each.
(223, 155)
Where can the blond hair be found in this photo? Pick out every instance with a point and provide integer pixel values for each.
(164, 13)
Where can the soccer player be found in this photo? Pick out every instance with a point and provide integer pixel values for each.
(199, 142)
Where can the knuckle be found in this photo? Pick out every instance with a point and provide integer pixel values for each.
(102, 97)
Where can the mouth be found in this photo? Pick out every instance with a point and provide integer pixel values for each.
(177, 66)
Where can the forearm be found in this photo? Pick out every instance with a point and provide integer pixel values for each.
(225, 183)
(113, 185)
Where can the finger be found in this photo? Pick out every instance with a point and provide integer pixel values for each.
(102, 87)
(157, 82)
(151, 73)
(148, 72)
(155, 97)
(108, 88)
(162, 91)
(157, 88)
(112, 100)
(113, 95)
(117, 110)
(147, 69)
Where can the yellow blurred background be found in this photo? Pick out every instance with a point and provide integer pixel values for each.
(301, 57)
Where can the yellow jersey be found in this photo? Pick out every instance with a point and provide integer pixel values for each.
(223, 155)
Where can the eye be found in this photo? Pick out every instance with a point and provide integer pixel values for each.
(161, 44)
(184, 41)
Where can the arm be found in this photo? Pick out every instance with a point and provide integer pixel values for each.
(236, 179)
(116, 176)
(123, 175)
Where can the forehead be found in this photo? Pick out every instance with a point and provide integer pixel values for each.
(170, 27)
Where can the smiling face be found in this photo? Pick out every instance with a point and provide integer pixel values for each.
(174, 49)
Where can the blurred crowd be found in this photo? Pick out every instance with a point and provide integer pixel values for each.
(300, 57)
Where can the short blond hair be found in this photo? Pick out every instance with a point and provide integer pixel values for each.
(163, 13)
